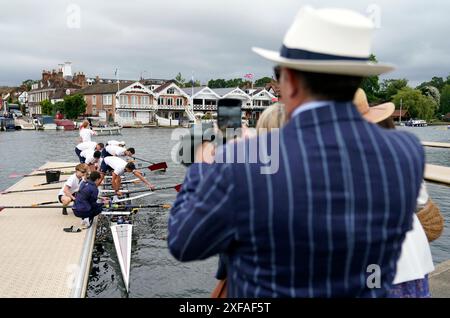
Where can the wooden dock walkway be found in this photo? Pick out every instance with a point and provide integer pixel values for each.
(39, 259)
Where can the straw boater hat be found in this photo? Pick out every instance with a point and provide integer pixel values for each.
(373, 114)
(333, 41)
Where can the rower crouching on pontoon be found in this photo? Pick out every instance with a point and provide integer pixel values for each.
(71, 186)
(118, 166)
(86, 146)
(116, 143)
(92, 158)
(112, 150)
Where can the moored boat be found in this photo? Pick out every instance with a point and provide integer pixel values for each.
(64, 124)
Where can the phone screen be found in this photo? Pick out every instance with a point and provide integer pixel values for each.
(229, 113)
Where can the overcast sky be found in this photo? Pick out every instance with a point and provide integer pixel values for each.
(212, 38)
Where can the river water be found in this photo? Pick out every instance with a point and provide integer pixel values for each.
(154, 273)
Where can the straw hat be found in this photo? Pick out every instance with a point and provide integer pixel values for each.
(332, 41)
(373, 114)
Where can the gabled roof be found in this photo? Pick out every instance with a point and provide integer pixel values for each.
(166, 85)
(136, 86)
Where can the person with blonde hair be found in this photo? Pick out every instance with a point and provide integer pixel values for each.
(273, 116)
(71, 186)
(85, 132)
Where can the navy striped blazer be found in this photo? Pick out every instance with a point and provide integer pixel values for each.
(341, 202)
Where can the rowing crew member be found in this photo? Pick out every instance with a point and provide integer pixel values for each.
(86, 205)
(118, 166)
(116, 143)
(71, 186)
(87, 145)
(85, 132)
(91, 158)
(117, 151)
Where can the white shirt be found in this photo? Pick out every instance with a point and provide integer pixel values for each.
(116, 150)
(88, 154)
(415, 259)
(86, 134)
(86, 145)
(115, 143)
(118, 164)
(73, 183)
(310, 105)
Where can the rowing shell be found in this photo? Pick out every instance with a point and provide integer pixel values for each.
(121, 234)
(122, 237)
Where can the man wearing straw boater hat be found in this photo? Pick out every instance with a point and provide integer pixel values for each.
(329, 222)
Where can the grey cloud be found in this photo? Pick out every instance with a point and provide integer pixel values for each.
(210, 38)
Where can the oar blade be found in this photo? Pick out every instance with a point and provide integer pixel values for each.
(178, 187)
(158, 166)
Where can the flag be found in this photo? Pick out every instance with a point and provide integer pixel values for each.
(248, 76)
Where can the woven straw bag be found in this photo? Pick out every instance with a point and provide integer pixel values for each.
(432, 220)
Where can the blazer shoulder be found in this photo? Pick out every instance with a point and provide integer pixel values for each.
(410, 142)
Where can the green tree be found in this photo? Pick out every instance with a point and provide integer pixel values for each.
(196, 84)
(74, 105)
(180, 80)
(418, 105)
(46, 107)
(390, 87)
(217, 83)
(27, 84)
(371, 85)
(433, 92)
(437, 82)
(262, 82)
(445, 100)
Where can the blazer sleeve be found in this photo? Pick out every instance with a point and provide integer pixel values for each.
(93, 200)
(201, 219)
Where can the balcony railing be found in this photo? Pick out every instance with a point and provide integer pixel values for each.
(137, 106)
(175, 107)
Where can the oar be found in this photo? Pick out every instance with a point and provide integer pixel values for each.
(45, 183)
(176, 187)
(29, 190)
(134, 198)
(112, 206)
(38, 174)
(139, 206)
(46, 169)
(154, 166)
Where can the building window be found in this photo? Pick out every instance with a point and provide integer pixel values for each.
(170, 101)
(94, 99)
(145, 100)
(171, 91)
(94, 110)
(160, 101)
(123, 99)
(179, 102)
(134, 100)
(107, 99)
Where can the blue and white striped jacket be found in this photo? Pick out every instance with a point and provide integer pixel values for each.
(342, 200)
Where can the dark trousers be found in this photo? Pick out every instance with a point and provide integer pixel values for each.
(78, 151)
(87, 214)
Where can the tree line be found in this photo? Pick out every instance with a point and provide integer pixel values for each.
(429, 100)
(223, 83)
